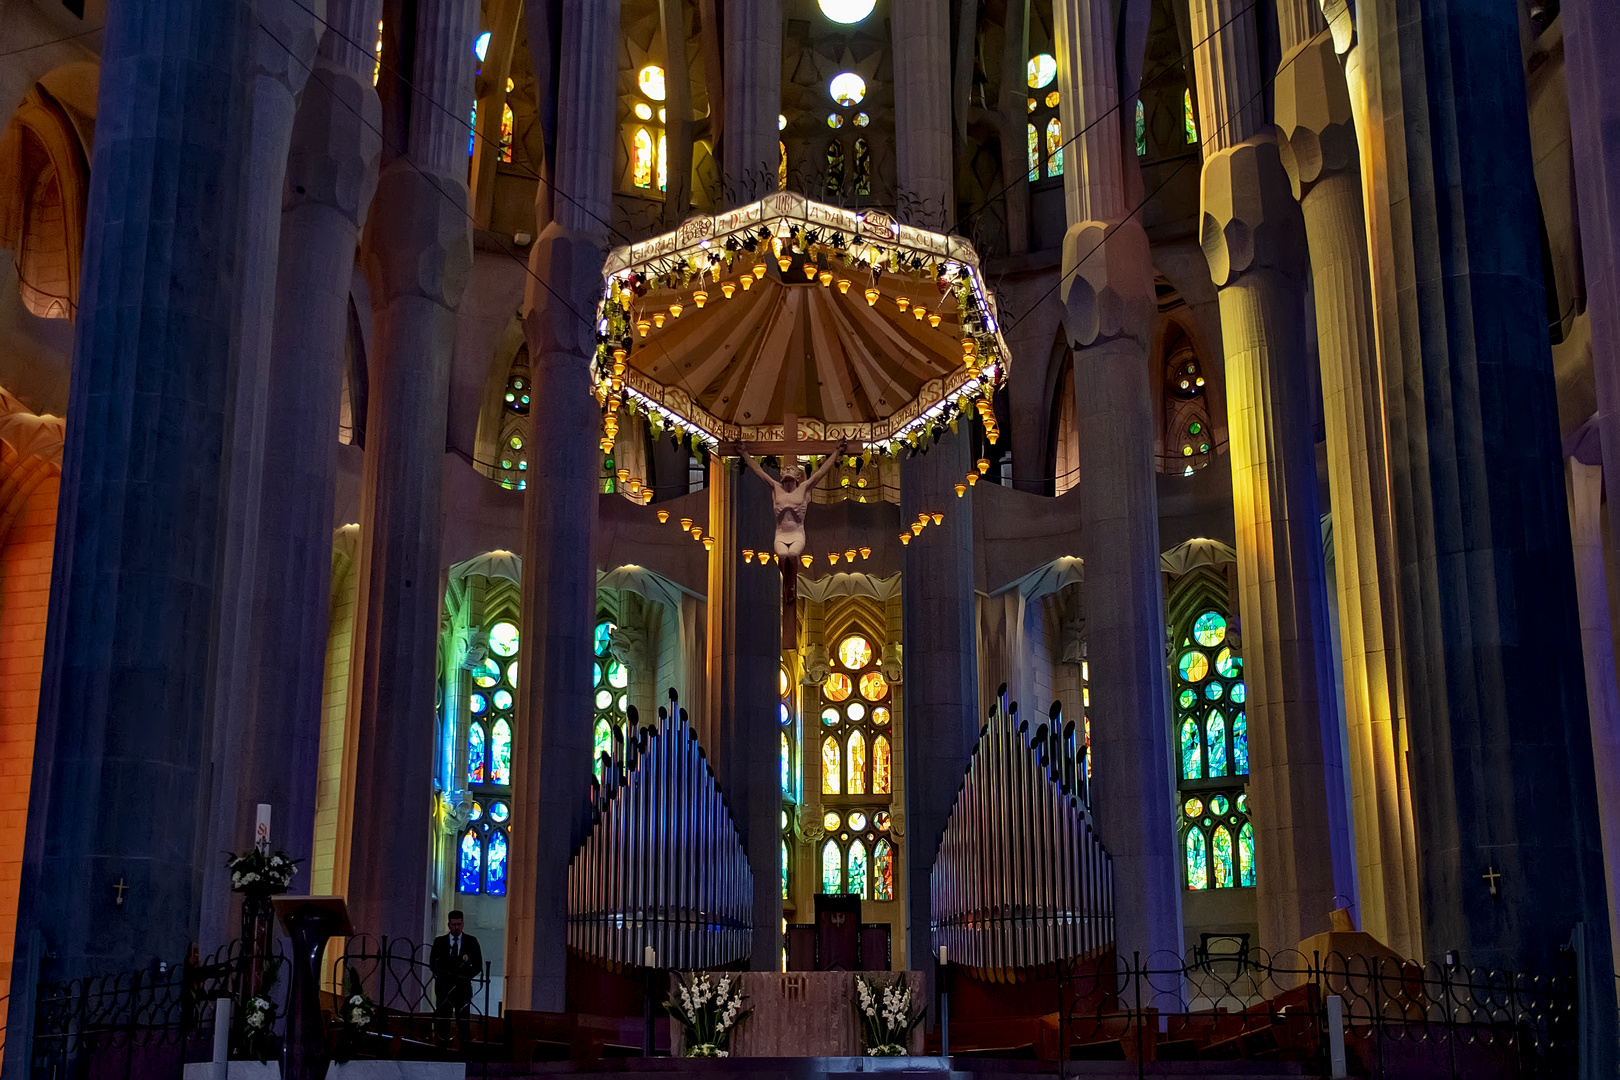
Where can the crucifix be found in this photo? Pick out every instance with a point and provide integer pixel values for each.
(1491, 877)
(120, 889)
(790, 501)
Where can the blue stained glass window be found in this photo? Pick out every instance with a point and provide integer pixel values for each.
(1240, 745)
(1210, 629)
(1214, 689)
(1192, 766)
(477, 703)
(499, 812)
(787, 767)
(472, 855)
(496, 881)
(500, 743)
(604, 637)
(782, 714)
(1246, 854)
(1216, 730)
(857, 868)
(1223, 858)
(475, 753)
(1240, 693)
(1197, 860)
(487, 674)
(784, 870)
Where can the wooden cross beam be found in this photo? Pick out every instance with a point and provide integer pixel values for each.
(791, 448)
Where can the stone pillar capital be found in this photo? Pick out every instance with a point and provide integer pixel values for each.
(1251, 220)
(561, 319)
(335, 143)
(284, 39)
(1107, 288)
(1316, 130)
(426, 248)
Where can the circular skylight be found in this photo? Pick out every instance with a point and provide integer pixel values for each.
(652, 81)
(847, 88)
(847, 11)
(1042, 70)
(643, 111)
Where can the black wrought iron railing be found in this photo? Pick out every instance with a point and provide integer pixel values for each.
(421, 1012)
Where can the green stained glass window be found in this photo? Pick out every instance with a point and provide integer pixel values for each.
(617, 676)
(832, 868)
(1228, 663)
(1240, 693)
(1223, 858)
(1213, 689)
(1246, 854)
(604, 699)
(1188, 118)
(487, 674)
(1054, 147)
(604, 637)
(503, 699)
(1197, 853)
(1215, 727)
(1219, 804)
(1194, 665)
(1191, 763)
(1187, 698)
(1210, 629)
(503, 639)
(1240, 745)
(1141, 139)
(857, 868)
(1034, 153)
(601, 745)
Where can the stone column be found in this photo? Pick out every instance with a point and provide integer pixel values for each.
(1253, 237)
(331, 177)
(1109, 306)
(1597, 650)
(941, 700)
(418, 254)
(281, 50)
(551, 750)
(921, 31)
(118, 790)
(1317, 145)
(753, 75)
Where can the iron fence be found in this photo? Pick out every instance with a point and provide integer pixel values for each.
(1395, 1019)
(423, 1013)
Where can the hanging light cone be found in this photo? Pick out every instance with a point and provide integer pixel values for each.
(825, 277)
(902, 302)
(783, 262)
(849, 555)
(972, 478)
(916, 529)
(700, 298)
(933, 318)
(642, 326)
(919, 314)
(809, 270)
(905, 538)
(686, 524)
(866, 553)
(747, 281)
(938, 518)
(663, 516)
(871, 297)
(728, 287)
(623, 475)
(635, 486)
(983, 465)
(697, 532)
(748, 555)
(675, 309)
(807, 560)
(961, 489)
(969, 347)
(646, 495)
(606, 445)
(759, 270)
(832, 557)
(658, 320)
(619, 355)
(708, 543)
(844, 284)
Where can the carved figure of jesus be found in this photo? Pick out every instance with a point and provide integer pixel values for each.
(790, 498)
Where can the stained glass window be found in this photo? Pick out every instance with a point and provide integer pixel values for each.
(847, 11)
(1223, 857)
(857, 868)
(1042, 69)
(663, 163)
(1240, 745)
(857, 764)
(832, 868)
(784, 870)
(855, 652)
(1054, 147)
(1194, 665)
(1034, 153)
(1197, 860)
(835, 168)
(641, 154)
(487, 673)
(1246, 854)
(1228, 663)
(500, 756)
(475, 753)
(837, 687)
(880, 716)
(847, 88)
(477, 703)
(1215, 726)
(829, 716)
(882, 766)
(508, 126)
(863, 167)
(855, 711)
(781, 166)
(603, 638)
(651, 81)
(1188, 118)
(503, 639)
(1209, 629)
(787, 764)
(601, 745)
(883, 871)
(1192, 764)
(831, 770)
(874, 686)
(496, 878)
(470, 865)
(1141, 129)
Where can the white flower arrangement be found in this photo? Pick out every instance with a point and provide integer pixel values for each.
(256, 871)
(355, 1014)
(708, 1012)
(258, 1022)
(885, 1013)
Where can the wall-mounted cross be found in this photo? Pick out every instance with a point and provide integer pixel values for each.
(1491, 877)
(120, 889)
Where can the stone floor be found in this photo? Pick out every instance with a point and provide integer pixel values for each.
(852, 1068)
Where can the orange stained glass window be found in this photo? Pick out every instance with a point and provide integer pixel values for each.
(882, 766)
(642, 154)
(1054, 147)
(831, 766)
(507, 126)
(883, 871)
(838, 686)
(857, 764)
(874, 687)
(855, 652)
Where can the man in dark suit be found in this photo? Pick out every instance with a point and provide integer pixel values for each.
(456, 962)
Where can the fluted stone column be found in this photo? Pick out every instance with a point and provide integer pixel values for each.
(1253, 237)
(331, 178)
(118, 790)
(941, 699)
(1317, 145)
(281, 50)
(418, 254)
(551, 750)
(753, 76)
(921, 32)
(1109, 307)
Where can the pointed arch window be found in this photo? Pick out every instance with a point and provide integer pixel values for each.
(863, 167)
(1141, 129)
(857, 869)
(831, 767)
(1187, 438)
(832, 868)
(1034, 140)
(1054, 147)
(495, 879)
(470, 862)
(500, 753)
(611, 699)
(641, 164)
(477, 747)
(882, 766)
(1189, 119)
(883, 871)
(835, 168)
(857, 764)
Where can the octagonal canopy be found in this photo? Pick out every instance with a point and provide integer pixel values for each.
(849, 362)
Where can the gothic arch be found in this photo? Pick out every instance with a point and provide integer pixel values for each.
(44, 187)
(499, 421)
(1177, 345)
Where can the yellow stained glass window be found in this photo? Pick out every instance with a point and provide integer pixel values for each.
(874, 687)
(831, 767)
(838, 686)
(651, 80)
(663, 167)
(782, 683)
(781, 167)
(1189, 118)
(882, 766)
(508, 124)
(642, 154)
(1034, 153)
(1042, 70)
(1054, 147)
(855, 652)
(857, 764)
